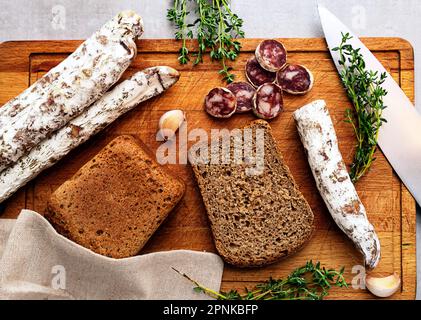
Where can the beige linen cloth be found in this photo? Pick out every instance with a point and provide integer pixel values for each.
(38, 263)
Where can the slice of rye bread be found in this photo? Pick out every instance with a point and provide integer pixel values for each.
(116, 201)
(255, 219)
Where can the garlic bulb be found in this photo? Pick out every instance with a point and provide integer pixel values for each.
(170, 122)
(383, 287)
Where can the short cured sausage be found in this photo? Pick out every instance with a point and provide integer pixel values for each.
(256, 75)
(268, 102)
(244, 92)
(295, 79)
(68, 89)
(220, 103)
(318, 136)
(271, 55)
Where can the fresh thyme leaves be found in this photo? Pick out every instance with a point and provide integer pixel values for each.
(309, 282)
(366, 93)
(216, 29)
(178, 15)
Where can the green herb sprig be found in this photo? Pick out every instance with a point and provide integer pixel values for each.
(309, 282)
(364, 88)
(216, 28)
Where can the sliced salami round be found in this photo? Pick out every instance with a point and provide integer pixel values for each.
(220, 103)
(244, 92)
(271, 55)
(295, 79)
(268, 102)
(256, 75)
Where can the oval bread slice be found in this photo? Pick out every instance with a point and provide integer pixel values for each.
(257, 218)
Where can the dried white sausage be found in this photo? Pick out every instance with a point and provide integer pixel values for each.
(124, 97)
(68, 89)
(318, 136)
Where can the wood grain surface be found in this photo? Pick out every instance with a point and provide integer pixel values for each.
(390, 207)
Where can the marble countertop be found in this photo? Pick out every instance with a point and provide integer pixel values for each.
(78, 19)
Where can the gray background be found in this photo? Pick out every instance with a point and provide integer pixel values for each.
(78, 19)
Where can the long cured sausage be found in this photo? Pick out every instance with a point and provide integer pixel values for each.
(125, 96)
(68, 89)
(318, 136)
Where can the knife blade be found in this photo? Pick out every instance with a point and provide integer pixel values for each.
(400, 137)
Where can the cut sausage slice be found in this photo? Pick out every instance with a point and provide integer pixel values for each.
(256, 75)
(244, 92)
(271, 55)
(295, 79)
(220, 103)
(268, 101)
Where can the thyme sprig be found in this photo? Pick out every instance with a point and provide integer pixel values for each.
(309, 282)
(364, 88)
(216, 28)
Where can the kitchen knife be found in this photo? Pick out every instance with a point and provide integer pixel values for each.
(400, 137)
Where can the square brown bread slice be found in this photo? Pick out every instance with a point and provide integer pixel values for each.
(255, 219)
(116, 201)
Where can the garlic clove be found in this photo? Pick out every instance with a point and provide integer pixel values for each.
(170, 122)
(383, 287)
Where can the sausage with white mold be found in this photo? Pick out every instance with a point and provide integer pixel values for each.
(124, 97)
(319, 139)
(68, 89)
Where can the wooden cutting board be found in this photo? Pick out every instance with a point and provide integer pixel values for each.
(390, 207)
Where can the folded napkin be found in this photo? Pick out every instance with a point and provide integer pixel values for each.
(38, 263)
